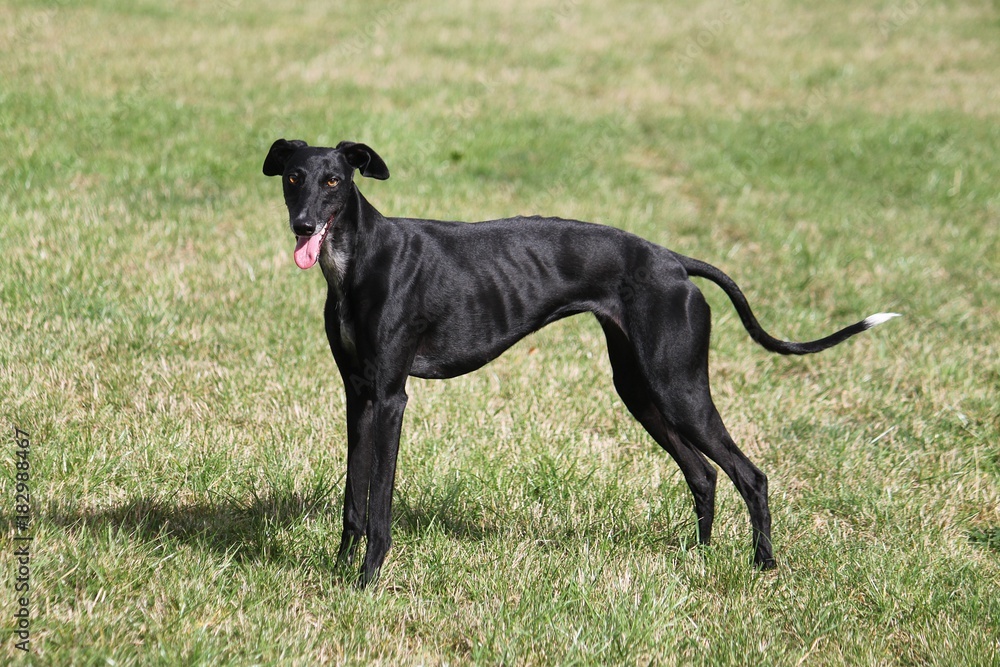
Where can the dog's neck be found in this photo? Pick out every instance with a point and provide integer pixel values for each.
(337, 260)
(338, 248)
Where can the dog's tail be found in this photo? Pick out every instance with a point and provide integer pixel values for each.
(701, 269)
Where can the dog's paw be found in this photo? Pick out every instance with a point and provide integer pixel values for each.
(366, 578)
(765, 564)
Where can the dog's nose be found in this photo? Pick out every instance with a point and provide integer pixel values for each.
(303, 227)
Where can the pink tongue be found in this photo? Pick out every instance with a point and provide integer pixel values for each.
(307, 250)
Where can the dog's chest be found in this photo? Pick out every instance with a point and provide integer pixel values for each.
(333, 262)
(346, 331)
(345, 323)
(343, 326)
(334, 265)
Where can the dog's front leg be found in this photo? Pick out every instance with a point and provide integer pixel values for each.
(387, 421)
(359, 468)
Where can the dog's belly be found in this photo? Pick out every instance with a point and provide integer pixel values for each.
(463, 349)
(432, 368)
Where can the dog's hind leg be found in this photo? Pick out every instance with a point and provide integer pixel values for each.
(704, 428)
(634, 391)
(672, 352)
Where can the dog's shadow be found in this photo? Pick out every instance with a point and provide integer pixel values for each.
(300, 528)
(284, 526)
(259, 527)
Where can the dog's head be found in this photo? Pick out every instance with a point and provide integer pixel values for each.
(318, 183)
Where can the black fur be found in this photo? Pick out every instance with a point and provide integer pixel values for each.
(438, 299)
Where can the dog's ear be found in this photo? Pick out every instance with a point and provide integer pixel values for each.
(277, 157)
(364, 159)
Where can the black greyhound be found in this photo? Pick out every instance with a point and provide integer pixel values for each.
(438, 299)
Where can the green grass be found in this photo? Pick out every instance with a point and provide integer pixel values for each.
(186, 417)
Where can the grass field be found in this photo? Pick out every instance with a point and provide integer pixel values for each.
(185, 417)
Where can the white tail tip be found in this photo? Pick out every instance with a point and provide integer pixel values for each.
(879, 318)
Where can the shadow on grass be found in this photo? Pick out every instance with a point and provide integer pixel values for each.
(273, 526)
(257, 528)
(462, 510)
(261, 526)
(452, 508)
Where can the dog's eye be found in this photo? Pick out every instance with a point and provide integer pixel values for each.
(293, 180)
(333, 182)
